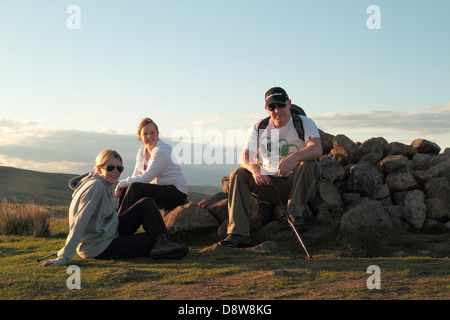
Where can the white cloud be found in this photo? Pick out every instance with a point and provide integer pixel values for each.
(13, 131)
(207, 121)
(46, 166)
(65, 150)
(424, 121)
(39, 145)
(251, 118)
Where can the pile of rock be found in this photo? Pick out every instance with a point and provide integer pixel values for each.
(212, 213)
(387, 183)
(374, 182)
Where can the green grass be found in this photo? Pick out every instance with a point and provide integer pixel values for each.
(416, 266)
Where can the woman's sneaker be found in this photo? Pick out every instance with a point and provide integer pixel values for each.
(164, 248)
(236, 241)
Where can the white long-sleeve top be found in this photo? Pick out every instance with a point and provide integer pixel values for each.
(160, 169)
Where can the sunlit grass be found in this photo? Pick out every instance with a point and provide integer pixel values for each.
(23, 219)
(333, 273)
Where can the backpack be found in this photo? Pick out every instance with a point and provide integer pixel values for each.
(298, 123)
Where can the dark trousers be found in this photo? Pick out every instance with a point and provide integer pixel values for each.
(130, 244)
(165, 196)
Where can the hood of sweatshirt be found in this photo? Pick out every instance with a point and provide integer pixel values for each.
(79, 181)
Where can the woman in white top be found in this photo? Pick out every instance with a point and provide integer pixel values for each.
(155, 174)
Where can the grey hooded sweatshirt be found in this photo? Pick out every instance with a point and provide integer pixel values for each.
(93, 218)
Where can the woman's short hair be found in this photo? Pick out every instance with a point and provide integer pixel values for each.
(105, 156)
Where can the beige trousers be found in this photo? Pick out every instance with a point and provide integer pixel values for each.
(294, 190)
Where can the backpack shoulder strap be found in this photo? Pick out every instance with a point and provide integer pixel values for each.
(264, 123)
(298, 125)
(261, 126)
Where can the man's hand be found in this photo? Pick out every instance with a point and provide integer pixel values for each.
(255, 169)
(261, 179)
(286, 166)
(313, 150)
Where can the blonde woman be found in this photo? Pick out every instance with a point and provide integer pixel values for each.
(98, 231)
(155, 174)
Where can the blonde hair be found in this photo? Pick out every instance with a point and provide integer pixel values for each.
(105, 156)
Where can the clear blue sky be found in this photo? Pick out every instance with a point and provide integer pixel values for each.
(211, 61)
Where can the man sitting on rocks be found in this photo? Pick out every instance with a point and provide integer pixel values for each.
(276, 152)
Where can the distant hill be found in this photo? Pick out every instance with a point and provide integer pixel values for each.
(52, 189)
(197, 193)
(26, 186)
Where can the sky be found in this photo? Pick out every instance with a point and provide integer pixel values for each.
(77, 77)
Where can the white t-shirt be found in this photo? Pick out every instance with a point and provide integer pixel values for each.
(160, 169)
(277, 143)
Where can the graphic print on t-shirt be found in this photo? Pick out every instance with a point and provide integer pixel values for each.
(275, 144)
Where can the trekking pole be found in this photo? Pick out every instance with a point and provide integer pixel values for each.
(290, 221)
(47, 256)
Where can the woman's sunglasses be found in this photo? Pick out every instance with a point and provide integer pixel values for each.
(272, 106)
(110, 167)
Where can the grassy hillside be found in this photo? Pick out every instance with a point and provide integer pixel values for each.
(52, 189)
(32, 186)
(419, 270)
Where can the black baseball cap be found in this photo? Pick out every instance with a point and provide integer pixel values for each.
(276, 95)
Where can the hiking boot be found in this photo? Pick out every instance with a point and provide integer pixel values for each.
(236, 241)
(164, 248)
(299, 224)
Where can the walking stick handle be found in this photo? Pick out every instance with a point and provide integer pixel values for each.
(47, 256)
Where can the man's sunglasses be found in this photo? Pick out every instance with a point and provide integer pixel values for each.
(272, 106)
(110, 167)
